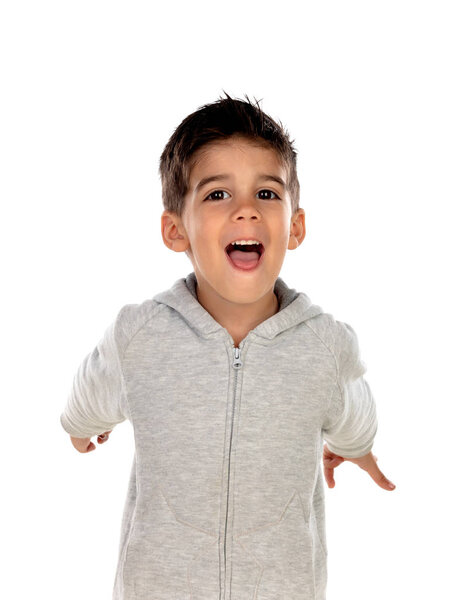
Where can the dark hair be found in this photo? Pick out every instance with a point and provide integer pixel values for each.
(219, 121)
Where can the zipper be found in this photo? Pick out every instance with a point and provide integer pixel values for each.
(237, 364)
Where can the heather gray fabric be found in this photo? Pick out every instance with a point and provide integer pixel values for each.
(226, 491)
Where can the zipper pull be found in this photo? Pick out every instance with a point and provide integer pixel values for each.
(237, 364)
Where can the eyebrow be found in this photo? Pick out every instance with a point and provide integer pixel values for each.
(223, 176)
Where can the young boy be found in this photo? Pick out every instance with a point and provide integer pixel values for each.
(230, 379)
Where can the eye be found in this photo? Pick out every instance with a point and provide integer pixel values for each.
(209, 197)
(216, 192)
(270, 192)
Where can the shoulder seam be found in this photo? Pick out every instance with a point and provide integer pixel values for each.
(155, 311)
(333, 354)
(123, 351)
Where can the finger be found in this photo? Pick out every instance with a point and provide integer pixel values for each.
(380, 478)
(85, 447)
(330, 458)
(327, 452)
(328, 474)
(334, 462)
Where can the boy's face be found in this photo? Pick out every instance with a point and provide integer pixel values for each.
(244, 204)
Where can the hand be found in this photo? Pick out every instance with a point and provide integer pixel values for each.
(368, 462)
(85, 445)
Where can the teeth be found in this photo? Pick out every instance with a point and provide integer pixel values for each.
(245, 242)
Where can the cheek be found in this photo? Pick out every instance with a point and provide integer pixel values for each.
(208, 228)
(281, 233)
(204, 240)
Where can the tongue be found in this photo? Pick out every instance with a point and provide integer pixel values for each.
(244, 260)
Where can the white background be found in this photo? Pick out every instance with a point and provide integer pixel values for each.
(377, 96)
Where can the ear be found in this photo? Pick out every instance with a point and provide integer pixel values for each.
(297, 229)
(173, 232)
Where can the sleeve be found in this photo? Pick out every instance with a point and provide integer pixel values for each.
(350, 422)
(97, 401)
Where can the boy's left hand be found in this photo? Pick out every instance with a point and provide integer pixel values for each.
(368, 462)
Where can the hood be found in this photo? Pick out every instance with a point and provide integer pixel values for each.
(294, 308)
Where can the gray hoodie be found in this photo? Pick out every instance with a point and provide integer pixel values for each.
(226, 493)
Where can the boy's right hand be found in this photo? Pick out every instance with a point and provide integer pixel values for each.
(85, 445)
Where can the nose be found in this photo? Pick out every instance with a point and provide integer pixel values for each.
(246, 209)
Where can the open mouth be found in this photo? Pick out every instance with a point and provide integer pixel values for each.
(244, 256)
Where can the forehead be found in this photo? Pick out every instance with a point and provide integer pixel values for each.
(233, 153)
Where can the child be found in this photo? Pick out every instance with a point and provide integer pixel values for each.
(231, 380)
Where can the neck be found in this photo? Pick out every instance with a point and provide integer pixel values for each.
(238, 318)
